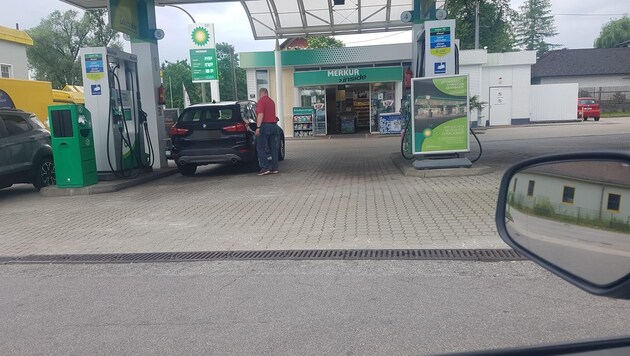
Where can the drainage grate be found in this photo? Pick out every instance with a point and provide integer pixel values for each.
(442, 254)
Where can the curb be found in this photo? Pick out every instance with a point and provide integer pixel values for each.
(108, 186)
(407, 169)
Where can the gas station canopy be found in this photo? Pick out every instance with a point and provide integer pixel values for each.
(292, 18)
(271, 19)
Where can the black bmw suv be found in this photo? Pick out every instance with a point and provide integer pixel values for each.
(25, 150)
(221, 132)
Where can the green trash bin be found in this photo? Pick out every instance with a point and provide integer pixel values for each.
(73, 146)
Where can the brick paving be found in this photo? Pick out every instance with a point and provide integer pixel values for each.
(330, 194)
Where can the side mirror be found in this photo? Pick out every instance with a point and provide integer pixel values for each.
(570, 213)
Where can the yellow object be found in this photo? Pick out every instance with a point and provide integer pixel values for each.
(35, 96)
(70, 94)
(17, 36)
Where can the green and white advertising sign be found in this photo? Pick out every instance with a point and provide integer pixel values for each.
(203, 54)
(440, 115)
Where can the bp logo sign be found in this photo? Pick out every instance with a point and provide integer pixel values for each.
(200, 36)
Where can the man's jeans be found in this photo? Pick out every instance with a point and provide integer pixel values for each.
(268, 142)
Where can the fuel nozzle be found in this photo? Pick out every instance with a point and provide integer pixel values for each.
(143, 117)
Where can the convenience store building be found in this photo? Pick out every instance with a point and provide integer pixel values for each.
(361, 84)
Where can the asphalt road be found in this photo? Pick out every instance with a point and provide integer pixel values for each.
(293, 307)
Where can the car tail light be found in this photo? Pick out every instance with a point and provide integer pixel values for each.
(240, 127)
(176, 131)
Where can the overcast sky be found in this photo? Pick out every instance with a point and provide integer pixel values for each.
(232, 26)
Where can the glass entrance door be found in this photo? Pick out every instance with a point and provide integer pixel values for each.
(315, 97)
(381, 101)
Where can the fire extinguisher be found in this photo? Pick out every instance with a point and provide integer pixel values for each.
(408, 75)
(161, 95)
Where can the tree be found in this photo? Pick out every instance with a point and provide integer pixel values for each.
(323, 42)
(225, 51)
(57, 40)
(613, 33)
(173, 76)
(495, 24)
(534, 24)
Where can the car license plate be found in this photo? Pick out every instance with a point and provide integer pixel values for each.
(587, 108)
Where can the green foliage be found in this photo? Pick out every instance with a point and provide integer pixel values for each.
(226, 77)
(495, 24)
(535, 23)
(475, 104)
(323, 42)
(57, 40)
(618, 98)
(173, 75)
(613, 33)
(543, 207)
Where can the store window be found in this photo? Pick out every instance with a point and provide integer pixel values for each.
(6, 71)
(568, 194)
(614, 201)
(262, 79)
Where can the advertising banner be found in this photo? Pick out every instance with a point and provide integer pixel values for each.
(123, 17)
(440, 115)
(440, 47)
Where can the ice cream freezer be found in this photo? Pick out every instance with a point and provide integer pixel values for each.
(390, 123)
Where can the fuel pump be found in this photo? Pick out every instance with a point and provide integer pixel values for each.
(435, 54)
(122, 144)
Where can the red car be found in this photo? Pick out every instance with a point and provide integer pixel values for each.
(588, 107)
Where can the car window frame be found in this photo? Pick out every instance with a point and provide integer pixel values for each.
(8, 131)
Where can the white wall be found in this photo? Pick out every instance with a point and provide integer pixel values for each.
(474, 85)
(591, 81)
(554, 102)
(517, 77)
(15, 55)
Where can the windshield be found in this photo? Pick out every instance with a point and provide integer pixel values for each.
(301, 177)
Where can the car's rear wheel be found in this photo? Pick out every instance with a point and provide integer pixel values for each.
(282, 150)
(44, 173)
(187, 170)
(596, 118)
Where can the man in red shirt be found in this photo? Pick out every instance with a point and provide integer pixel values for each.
(267, 133)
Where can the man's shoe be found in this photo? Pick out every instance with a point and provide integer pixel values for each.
(264, 172)
(275, 172)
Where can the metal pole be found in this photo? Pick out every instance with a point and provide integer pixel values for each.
(477, 25)
(233, 71)
(279, 90)
(170, 89)
(181, 8)
(203, 92)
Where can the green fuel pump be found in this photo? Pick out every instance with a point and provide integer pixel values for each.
(73, 146)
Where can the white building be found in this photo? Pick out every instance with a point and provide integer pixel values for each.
(502, 80)
(13, 61)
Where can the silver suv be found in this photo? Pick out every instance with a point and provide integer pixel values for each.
(25, 150)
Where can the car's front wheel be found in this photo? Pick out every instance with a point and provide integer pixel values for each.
(596, 118)
(187, 170)
(44, 173)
